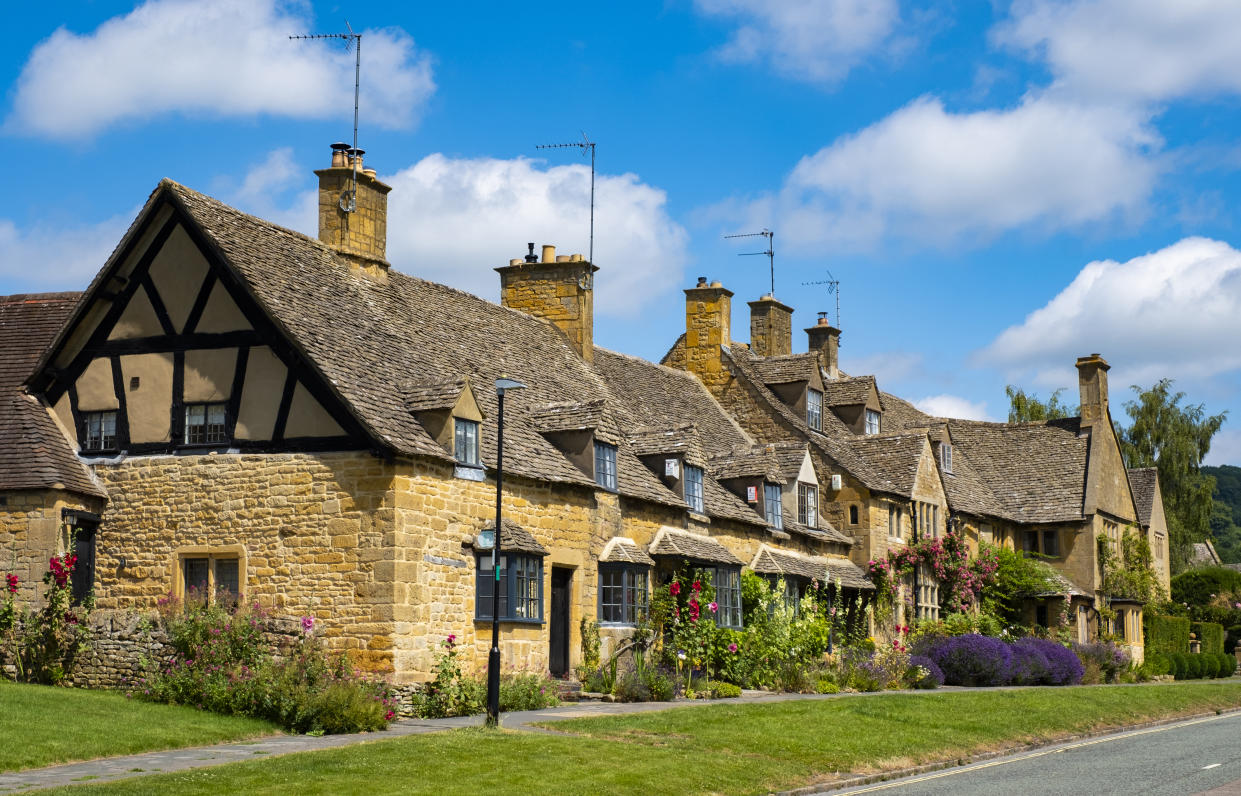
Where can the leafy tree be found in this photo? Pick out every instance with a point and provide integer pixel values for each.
(1174, 439)
(1026, 408)
(1226, 513)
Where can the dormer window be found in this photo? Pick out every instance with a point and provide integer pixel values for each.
(814, 409)
(771, 505)
(693, 488)
(605, 465)
(808, 505)
(872, 421)
(465, 441)
(945, 457)
(99, 431)
(205, 424)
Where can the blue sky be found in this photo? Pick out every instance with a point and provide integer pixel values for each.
(999, 187)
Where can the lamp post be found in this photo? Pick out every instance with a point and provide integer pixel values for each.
(503, 385)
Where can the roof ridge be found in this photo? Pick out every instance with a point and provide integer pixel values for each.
(32, 298)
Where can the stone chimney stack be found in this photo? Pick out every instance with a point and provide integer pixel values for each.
(356, 227)
(557, 288)
(1092, 383)
(708, 315)
(771, 327)
(825, 339)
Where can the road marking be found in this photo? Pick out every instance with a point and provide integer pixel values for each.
(979, 766)
(1213, 765)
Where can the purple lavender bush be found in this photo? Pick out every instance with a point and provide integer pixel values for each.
(1104, 657)
(1039, 661)
(933, 678)
(973, 660)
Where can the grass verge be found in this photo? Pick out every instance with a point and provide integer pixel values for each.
(43, 726)
(733, 748)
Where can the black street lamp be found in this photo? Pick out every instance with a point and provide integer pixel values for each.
(493, 660)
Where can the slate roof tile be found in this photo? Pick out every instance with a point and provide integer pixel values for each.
(625, 551)
(1142, 481)
(692, 546)
(515, 537)
(787, 369)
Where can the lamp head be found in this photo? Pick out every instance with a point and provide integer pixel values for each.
(503, 384)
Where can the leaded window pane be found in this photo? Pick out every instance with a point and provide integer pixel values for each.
(808, 505)
(100, 431)
(727, 582)
(196, 570)
(605, 465)
(775, 517)
(872, 421)
(693, 488)
(814, 409)
(465, 441)
(205, 424)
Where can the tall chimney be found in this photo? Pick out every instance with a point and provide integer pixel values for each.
(825, 339)
(557, 289)
(771, 327)
(359, 234)
(708, 315)
(1092, 384)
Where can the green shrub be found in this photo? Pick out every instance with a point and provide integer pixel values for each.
(1210, 665)
(450, 693)
(642, 683)
(527, 691)
(1165, 633)
(1211, 635)
(1179, 667)
(1193, 666)
(1230, 665)
(1198, 587)
(721, 690)
(1157, 664)
(827, 686)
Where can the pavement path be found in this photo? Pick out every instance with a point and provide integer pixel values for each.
(1195, 756)
(113, 768)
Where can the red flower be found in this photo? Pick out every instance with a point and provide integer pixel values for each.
(12, 583)
(697, 586)
(674, 589)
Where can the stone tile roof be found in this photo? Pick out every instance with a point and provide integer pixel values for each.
(894, 457)
(775, 562)
(579, 416)
(1035, 472)
(1061, 585)
(848, 391)
(692, 546)
(786, 369)
(357, 331)
(625, 551)
(825, 532)
(901, 415)
(515, 537)
(848, 574)
(1142, 481)
(683, 440)
(425, 396)
(790, 456)
(1203, 555)
(34, 453)
(756, 461)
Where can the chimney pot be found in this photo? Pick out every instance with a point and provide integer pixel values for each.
(577, 258)
(515, 261)
(702, 281)
(549, 253)
(531, 257)
(823, 319)
(369, 172)
(563, 258)
(339, 159)
(717, 283)
(771, 327)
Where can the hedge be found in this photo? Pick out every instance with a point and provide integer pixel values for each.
(1211, 635)
(1198, 587)
(1166, 633)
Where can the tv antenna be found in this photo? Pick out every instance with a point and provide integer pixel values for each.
(353, 41)
(771, 252)
(833, 286)
(583, 145)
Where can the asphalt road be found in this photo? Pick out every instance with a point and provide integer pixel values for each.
(1190, 757)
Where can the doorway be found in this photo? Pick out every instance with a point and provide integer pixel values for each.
(558, 658)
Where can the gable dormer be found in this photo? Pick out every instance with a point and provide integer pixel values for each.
(676, 457)
(451, 415)
(856, 402)
(586, 434)
(797, 381)
(754, 475)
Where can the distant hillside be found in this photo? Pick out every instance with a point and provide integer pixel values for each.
(1226, 519)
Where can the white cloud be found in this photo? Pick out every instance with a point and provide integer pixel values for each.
(930, 175)
(1145, 50)
(1174, 313)
(455, 220)
(219, 58)
(953, 406)
(1225, 448)
(889, 367)
(813, 40)
(47, 257)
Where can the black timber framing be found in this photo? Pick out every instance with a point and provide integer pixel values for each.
(55, 382)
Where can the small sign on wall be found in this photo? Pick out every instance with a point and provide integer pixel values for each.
(751, 494)
(672, 468)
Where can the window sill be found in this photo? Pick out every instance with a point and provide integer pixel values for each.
(507, 621)
(469, 472)
(697, 516)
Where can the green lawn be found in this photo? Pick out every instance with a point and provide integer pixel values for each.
(727, 748)
(42, 726)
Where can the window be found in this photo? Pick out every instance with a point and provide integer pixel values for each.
(789, 589)
(217, 577)
(853, 515)
(1029, 541)
(771, 504)
(623, 592)
(872, 421)
(1120, 624)
(521, 587)
(808, 505)
(985, 533)
(605, 465)
(896, 522)
(693, 488)
(99, 431)
(814, 409)
(928, 595)
(945, 457)
(204, 424)
(727, 584)
(1051, 543)
(465, 441)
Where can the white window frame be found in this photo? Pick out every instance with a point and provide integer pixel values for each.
(465, 441)
(945, 456)
(808, 504)
(694, 497)
(605, 465)
(814, 409)
(99, 431)
(874, 422)
(773, 509)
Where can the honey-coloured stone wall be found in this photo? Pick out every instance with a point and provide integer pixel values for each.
(32, 531)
